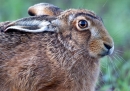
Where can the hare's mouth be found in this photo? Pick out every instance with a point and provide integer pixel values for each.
(101, 52)
(106, 52)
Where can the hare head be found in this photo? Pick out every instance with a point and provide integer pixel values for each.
(77, 28)
(86, 29)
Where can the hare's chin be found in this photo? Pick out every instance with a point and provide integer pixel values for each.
(101, 54)
(97, 55)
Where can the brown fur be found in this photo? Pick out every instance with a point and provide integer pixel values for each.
(48, 61)
(39, 62)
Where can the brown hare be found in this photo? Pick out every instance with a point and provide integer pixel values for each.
(53, 50)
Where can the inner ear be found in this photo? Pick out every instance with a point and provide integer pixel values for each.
(33, 24)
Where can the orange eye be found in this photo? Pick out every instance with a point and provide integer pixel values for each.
(83, 24)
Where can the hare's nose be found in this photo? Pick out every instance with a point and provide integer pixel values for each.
(109, 49)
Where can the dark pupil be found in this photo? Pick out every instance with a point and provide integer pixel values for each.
(83, 23)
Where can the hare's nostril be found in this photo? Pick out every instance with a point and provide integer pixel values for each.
(107, 46)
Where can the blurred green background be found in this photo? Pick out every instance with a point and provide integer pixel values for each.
(115, 70)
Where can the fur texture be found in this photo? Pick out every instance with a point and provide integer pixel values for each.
(62, 60)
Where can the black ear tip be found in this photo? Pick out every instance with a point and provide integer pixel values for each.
(1, 29)
(31, 13)
(3, 26)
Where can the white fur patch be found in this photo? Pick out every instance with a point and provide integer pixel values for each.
(71, 17)
(111, 50)
(94, 32)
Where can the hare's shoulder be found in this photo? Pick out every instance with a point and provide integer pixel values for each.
(18, 44)
(14, 38)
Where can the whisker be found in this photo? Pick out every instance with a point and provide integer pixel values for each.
(115, 52)
(101, 72)
(119, 50)
(120, 57)
(114, 56)
(103, 65)
(108, 69)
(105, 3)
(115, 68)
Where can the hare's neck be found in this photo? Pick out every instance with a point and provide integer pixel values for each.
(85, 73)
(81, 70)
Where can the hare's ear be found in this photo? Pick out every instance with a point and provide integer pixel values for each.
(44, 9)
(34, 24)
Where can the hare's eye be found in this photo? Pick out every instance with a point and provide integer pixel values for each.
(83, 24)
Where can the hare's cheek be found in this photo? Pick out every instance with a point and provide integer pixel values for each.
(96, 48)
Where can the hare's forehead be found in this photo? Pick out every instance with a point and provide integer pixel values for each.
(77, 11)
(74, 13)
